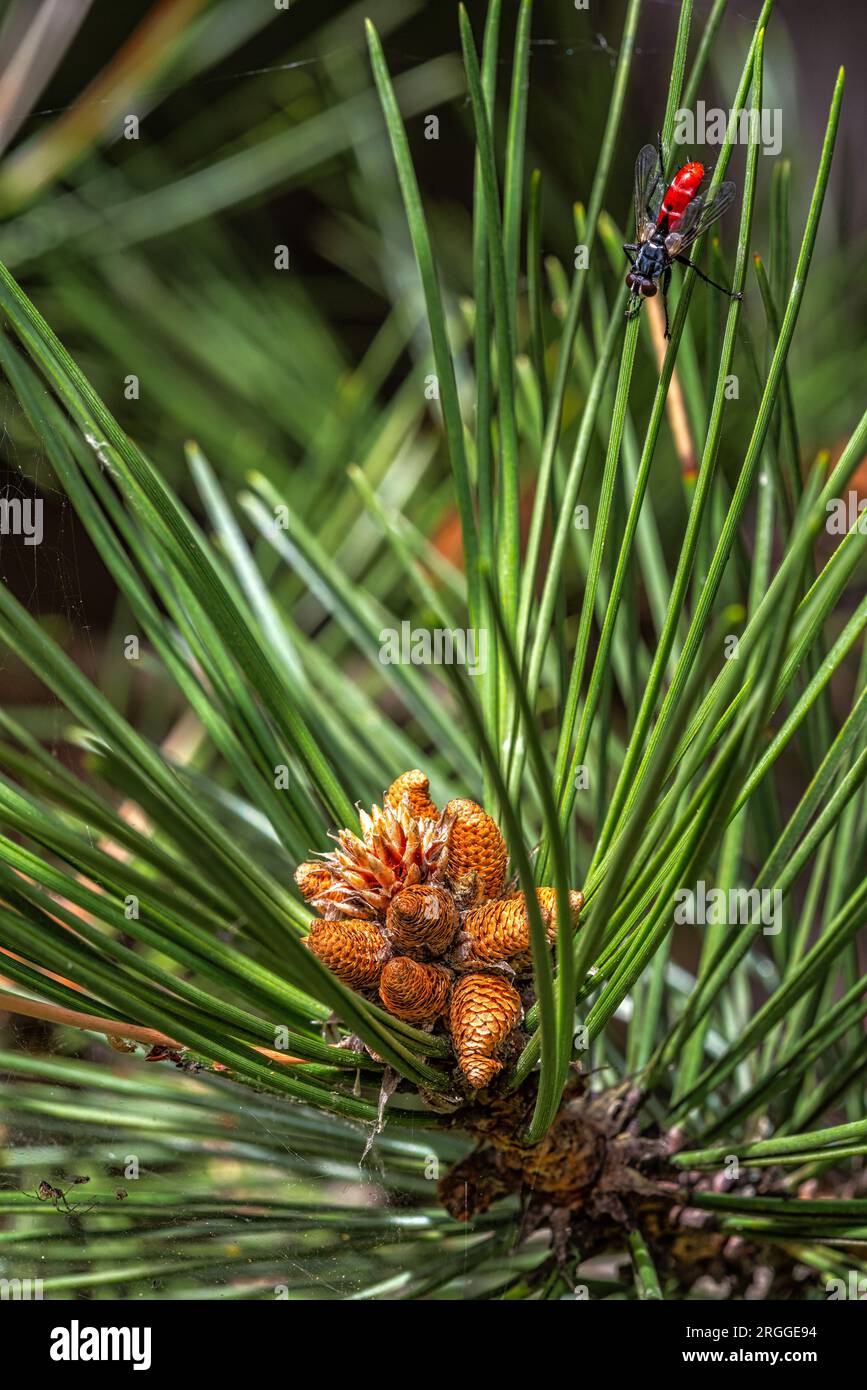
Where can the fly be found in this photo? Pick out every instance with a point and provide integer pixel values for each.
(667, 222)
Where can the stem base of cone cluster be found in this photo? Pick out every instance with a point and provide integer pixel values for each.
(597, 1175)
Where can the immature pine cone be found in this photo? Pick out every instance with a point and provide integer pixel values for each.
(354, 950)
(312, 878)
(415, 786)
(422, 918)
(393, 851)
(476, 846)
(484, 1010)
(413, 905)
(414, 991)
(499, 931)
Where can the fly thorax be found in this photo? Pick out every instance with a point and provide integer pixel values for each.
(650, 259)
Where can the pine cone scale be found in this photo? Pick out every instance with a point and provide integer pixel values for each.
(415, 787)
(476, 846)
(354, 950)
(414, 991)
(500, 931)
(422, 917)
(484, 1009)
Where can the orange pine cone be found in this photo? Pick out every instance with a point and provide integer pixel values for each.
(354, 950)
(422, 917)
(476, 846)
(500, 931)
(394, 850)
(312, 878)
(484, 1009)
(415, 786)
(414, 991)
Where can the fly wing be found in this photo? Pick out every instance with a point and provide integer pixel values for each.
(697, 217)
(648, 188)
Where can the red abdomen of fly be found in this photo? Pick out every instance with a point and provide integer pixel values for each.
(679, 194)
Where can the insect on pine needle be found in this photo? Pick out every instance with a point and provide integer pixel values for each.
(666, 226)
(47, 1192)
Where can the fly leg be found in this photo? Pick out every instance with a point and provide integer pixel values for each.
(661, 153)
(732, 294)
(630, 249)
(660, 175)
(666, 281)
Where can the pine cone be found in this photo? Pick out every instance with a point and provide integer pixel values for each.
(484, 1010)
(312, 878)
(413, 991)
(501, 931)
(353, 950)
(476, 846)
(394, 851)
(415, 897)
(415, 786)
(423, 917)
